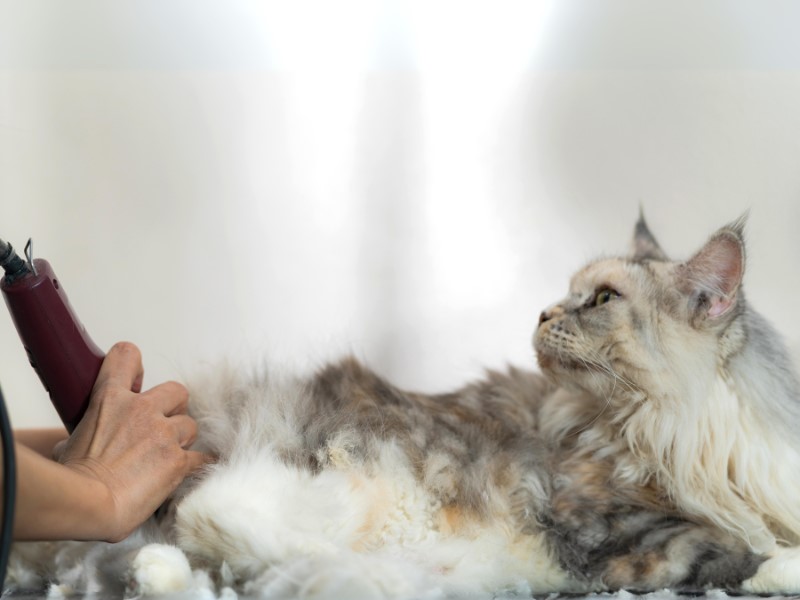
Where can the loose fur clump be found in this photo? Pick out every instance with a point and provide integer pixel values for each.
(658, 449)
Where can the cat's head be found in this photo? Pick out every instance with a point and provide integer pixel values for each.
(646, 323)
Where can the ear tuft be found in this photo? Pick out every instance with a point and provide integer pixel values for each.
(738, 226)
(645, 246)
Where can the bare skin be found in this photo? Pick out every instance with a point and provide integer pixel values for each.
(41, 441)
(126, 456)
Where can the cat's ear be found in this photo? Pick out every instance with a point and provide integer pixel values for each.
(713, 276)
(645, 246)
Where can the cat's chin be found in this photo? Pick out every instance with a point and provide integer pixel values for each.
(557, 367)
(547, 363)
(571, 374)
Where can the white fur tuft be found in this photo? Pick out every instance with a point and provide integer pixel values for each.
(159, 569)
(779, 574)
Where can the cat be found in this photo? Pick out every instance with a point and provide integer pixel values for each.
(657, 448)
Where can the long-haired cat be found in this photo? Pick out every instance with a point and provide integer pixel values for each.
(659, 449)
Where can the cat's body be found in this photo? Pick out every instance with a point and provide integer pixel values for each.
(659, 451)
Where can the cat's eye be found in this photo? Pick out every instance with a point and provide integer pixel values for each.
(605, 295)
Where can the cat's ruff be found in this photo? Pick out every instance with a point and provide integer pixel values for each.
(659, 450)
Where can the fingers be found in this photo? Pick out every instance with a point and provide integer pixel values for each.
(122, 367)
(197, 460)
(126, 430)
(171, 398)
(186, 429)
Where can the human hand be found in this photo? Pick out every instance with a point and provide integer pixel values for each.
(134, 444)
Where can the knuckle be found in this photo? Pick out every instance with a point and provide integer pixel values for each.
(146, 406)
(177, 392)
(163, 433)
(177, 389)
(128, 349)
(191, 432)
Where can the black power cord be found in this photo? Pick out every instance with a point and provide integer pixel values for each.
(9, 490)
(14, 266)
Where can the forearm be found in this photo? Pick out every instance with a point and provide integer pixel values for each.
(55, 502)
(41, 441)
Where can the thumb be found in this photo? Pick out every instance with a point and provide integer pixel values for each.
(122, 367)
(58, 450)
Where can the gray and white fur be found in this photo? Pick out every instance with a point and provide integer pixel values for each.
(657, 449)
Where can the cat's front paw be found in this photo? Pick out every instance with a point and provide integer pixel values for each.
(779, 574)
(159, 569)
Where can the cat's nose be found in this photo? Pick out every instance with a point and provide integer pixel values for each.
(550, 313)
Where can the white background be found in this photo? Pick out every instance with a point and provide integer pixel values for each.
(408, 181)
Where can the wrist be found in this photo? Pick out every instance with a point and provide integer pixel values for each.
(60, 502)
(98, 505)
(42, 441)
